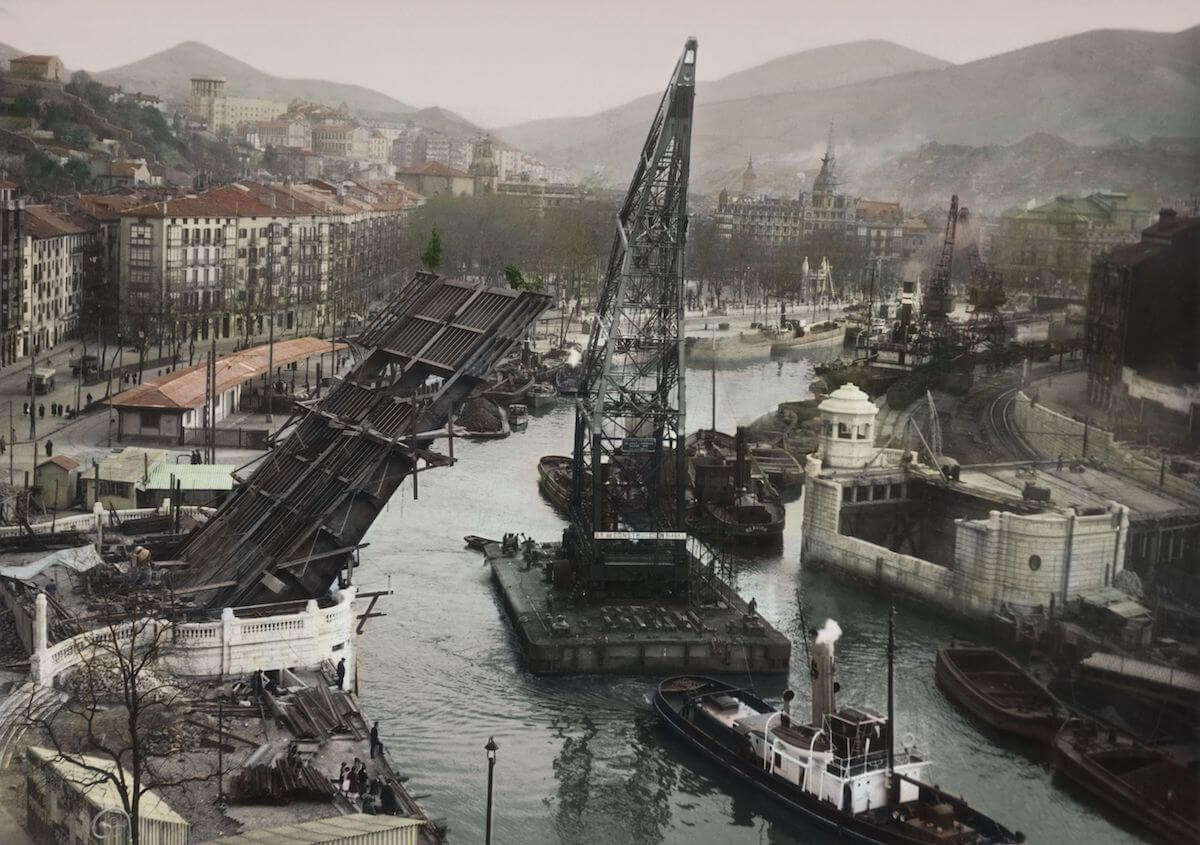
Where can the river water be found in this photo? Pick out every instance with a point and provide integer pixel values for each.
(581, 759)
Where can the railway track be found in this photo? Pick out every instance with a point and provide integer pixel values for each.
(1004, 433)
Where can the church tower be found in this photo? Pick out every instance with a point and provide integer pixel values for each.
(484, 170)
(748, 178)
(825, 185)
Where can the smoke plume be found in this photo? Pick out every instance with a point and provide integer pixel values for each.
(573, 357)
(829, 633)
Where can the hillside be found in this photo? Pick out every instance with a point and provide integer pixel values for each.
(990, 179)
(1092, 88)
(168, 73)
(823, 67)
(8, 52)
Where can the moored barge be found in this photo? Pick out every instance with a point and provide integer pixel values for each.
(999, 692)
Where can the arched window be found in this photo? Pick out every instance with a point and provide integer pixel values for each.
(843, 431)
(864, 431)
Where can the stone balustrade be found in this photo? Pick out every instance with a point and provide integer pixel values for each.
(228, 646)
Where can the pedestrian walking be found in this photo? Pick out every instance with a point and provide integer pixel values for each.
(341, 673)
(362, 780)
(375, 740)
(3, 445)
(49, 448)
(42, 410)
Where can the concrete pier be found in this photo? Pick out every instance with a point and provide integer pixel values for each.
(558, 636)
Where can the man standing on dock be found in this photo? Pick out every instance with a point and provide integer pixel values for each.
(341, 673)
(375, 740)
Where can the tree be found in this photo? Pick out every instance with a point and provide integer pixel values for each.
(432, 256)
(519, 281)
(124, 718)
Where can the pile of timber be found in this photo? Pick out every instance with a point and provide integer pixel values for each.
(280, 783)
(316, 713)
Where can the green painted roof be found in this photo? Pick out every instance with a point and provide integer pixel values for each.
(190, 476)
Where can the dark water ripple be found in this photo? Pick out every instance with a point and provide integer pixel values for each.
(581, 760)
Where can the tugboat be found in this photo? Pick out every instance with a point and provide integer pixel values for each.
(840, 771)
(731, 503)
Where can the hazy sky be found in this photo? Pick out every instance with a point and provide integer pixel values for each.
(502, 61)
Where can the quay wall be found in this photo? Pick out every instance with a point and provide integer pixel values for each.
(228, 646)
(1052, 434)
(1005, 559)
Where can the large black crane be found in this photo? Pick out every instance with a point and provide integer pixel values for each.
(628, 521)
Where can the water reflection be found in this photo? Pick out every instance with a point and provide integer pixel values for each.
(581, 759)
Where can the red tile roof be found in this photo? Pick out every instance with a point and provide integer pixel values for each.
(249, 200)
(184, 389)
(433, 168)
(42, 221)
(63, 461)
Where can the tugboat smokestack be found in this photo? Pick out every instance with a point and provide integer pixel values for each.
(822, 672)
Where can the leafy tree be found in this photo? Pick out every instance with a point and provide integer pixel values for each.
(270, 160)
(79, 173)
(519, 281)
(432, 256)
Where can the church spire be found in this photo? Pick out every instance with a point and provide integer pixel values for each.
(748, 178)
(826, 181)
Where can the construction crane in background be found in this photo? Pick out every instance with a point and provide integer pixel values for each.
(628, 518)
(938, 301)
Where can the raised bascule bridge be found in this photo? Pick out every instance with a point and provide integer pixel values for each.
(296, 522)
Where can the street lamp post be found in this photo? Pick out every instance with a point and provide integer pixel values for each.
(491, 748)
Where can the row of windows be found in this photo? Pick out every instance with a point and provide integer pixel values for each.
(874, 492)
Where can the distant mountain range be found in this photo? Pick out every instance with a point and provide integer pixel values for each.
(1094, 88)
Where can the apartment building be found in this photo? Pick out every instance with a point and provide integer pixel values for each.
(11, 262)
(60, 249)
(227, 258)
(294, 134)
(211, 106)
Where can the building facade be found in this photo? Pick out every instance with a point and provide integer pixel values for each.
(209, 105)
(12, 280)
(40, 68)
(227, 258)
(60, 249)
(1058, 240)
(1143, 326)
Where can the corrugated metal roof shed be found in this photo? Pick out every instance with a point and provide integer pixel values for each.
(102, 793)
(190, 477)
(359, 828)
(130, 464)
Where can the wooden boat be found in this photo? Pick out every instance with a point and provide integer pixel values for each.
(554, 479)
(541, 395)
(730, 501)
(518, 417)
(566, 379)
(839, 771)
(779, 466)
(999, 692)
(509, 390)
(1147, 785)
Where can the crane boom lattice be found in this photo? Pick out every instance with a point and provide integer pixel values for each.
(627, 503)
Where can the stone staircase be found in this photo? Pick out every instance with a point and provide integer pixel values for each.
(24, 705)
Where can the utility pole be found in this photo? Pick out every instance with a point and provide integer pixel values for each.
(271, 330)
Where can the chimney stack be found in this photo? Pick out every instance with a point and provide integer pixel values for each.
(822, 682)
